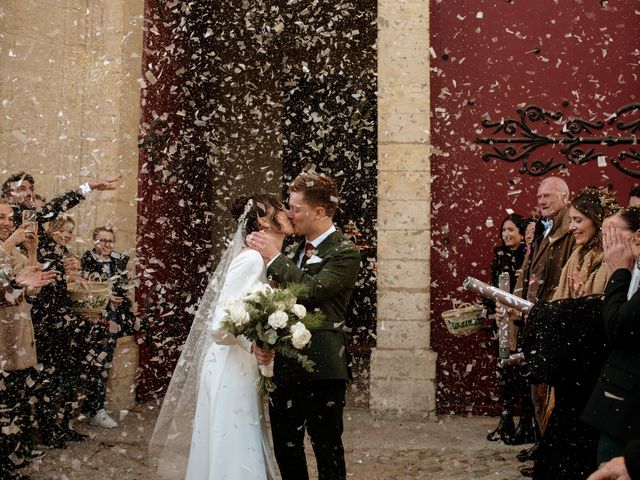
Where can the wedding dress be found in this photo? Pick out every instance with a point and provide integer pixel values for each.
(211, 425)
(229, 439)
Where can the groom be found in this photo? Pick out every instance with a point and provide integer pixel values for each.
(329, 265)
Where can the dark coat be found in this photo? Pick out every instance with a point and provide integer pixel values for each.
(565, 347)
(331, 282)
(54, 320)
(51, 210)
(114, 269)
(614, 406)
(632, 459)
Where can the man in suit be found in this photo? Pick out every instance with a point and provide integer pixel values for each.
(551, 248)
(328, 264)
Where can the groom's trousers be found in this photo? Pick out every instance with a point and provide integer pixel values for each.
(317, 407)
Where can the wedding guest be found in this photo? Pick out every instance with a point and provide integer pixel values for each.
(585, 272)
(529, 233)
(117, 321)
(614, 405)
(18, 190)
(569, 345)
(111, 265)
(551, 247)
(55, 325)
(20, 277)
(508, 258)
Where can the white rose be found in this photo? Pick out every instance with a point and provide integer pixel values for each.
(299, 311)
(296, 326)
(291, 301)
(237, 313)
(252, 294)
(278, 319)
(300, 336)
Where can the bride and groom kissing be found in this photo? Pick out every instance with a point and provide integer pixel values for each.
(212, 424)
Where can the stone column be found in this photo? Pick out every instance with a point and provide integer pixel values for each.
(70, 103)
(402, 366)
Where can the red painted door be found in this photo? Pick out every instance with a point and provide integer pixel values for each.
(576, 60)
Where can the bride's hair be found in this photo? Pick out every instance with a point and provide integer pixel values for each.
(263, 204)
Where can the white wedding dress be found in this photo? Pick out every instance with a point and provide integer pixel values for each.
(211, 425)
(230, 440)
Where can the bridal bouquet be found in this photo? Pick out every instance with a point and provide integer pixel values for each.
(272, 318)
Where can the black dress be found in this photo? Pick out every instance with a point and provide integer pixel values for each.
(59, 332)
(565, 347)
(513, 386)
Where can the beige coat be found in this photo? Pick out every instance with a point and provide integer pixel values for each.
(17, 341)
(592, 270)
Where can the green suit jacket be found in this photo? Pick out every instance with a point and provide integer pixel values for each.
(331, 276)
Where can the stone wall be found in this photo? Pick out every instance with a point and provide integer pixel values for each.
(69, 97)
(402, 366)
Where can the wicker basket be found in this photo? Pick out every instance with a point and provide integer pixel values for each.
(89, 297)
(464, 320)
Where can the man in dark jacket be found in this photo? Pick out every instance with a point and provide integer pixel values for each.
(551, 248)
(18, 190)
(328, 264)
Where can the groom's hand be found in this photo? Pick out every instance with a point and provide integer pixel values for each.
(264, 244)
(263, 356)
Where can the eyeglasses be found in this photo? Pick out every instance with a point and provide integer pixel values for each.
(106, 242)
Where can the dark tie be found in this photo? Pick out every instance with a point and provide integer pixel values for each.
(308, 248)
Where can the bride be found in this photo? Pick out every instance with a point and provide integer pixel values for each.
(211, 425)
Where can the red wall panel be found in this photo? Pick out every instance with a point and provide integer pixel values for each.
(490, 58)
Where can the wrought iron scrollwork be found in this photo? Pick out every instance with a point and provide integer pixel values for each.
(579, 140)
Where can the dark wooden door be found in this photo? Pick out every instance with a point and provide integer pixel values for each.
(560, 70)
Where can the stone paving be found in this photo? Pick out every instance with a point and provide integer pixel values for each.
(448, 448)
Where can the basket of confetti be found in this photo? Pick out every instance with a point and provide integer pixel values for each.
(464, 320)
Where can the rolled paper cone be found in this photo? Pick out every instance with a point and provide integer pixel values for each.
(500, 296)
(513, 359)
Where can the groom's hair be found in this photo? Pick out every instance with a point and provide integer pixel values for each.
(319, 190)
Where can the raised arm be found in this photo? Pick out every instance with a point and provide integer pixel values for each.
(58, 205)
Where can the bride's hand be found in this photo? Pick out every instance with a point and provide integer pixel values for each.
(264, 357)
